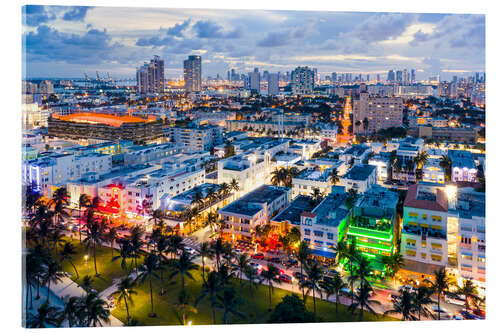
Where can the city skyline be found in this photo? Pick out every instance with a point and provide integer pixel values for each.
(60, 41)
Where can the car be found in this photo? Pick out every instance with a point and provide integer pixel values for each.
(238, 251)
(442, 312)
(291, 262)
(275, 260)
(258, 256)
(459, 300)
(255, 266)
(457, 317)
(190, 250)
(285, 278)
(299, 276)
(346, 291)
(480, 313)
(468, 316)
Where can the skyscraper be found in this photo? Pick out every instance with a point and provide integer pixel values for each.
(254, 80)
(399, 76)
(413, 76)
(390, 76)
(302, 80)
(273, 87)
(151, 76)
(334, 77)
(192, 73)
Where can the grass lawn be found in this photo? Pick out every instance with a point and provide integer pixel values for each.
(165, 306)
(107, 269)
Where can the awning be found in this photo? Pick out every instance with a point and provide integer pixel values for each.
(322, 253)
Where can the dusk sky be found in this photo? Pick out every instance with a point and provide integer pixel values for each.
(67, 41)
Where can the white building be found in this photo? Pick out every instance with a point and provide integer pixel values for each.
(56, 169)
(196, 138)
(254, 209)
(359, 177)
(382, 164)
(309, 179)
(463, 167)
(432, 172)
(148, 153)
(302, 81)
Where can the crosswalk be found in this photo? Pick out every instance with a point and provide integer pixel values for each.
(191, 242)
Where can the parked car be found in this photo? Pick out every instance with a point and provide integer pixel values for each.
(285, 278)
(190, 250)
(290, 262)
(258, 256)
(238, 251)
(275, 260)
(457, 317)
(468, 316)
(255, 266)
(444, 313)
(299, 276)
(480, 313)
(458, 300)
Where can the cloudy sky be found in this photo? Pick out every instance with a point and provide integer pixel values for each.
(67, 41)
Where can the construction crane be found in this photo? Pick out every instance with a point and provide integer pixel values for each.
(97, 75)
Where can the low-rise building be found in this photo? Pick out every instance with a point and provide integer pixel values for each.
(291, 215)
(463, 166)
(196, 138)
(432, 171)
(372, 226)
(424, 243)
(326, 225)
(359, 177)
(309, 179)
(256, 208)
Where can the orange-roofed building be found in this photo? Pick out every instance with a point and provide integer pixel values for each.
(88, 125)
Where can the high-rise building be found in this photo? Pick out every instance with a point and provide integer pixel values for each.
(46, 87)
(302, 80)
(192, 73)
(371, 114)
(378, 77)
(273, 87)
(151, 76)
(316, 76)
(399, 76)
(413, 76)
(334, 77)
(254, 80)
(390, 76)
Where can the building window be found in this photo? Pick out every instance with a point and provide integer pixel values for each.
(307, 232)
(329, 235)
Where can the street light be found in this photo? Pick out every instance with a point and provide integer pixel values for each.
(190, 323)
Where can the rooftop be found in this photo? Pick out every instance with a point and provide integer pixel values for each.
(331, 211)
(251, 203)
(302, 203)
(102, 118)
(427, 197)
(314, 175)
(360, 172)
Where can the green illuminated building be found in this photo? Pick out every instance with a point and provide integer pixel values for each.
(372, 225)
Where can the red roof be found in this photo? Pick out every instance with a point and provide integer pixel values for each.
(308, 214)
(440, 204)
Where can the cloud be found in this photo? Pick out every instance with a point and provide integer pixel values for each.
(282, 38)
(76, 13)
(35, 15)
(91, 47)
(380, 27)
(210, 29)
(179, 28)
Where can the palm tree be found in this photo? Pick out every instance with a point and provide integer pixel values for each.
(56, 237)
(124, 292)
(393, 264)
(440, 285)
(198, 199)
(124, 254)
(469, 291)
(71, 311)
(278, 176)
(147, 271)
(270, 276)
(253, 283)
(230, 303)
(317, 197)
(352, 195)
(334, 177)
(242, 262)
(111, 236)
(157, 217)
(46, 315)
(314, 276)
(445, 163)
(362, 300)
(205, 252)
(210, 288)
(94, 237)
(162, 243)
(334, 286)
(234, 185)
(175, 244)
(67, 254)
(87, 283)
(52, 273)
(95, 310)
(404, 306)
(83, 201)
(60, 200)
(302, 255)
(218, 249)
(212, 220)
(136, 242)
(183, 266)
(422, 298)
(184, 307)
